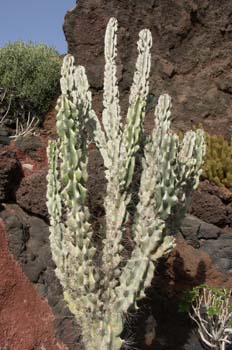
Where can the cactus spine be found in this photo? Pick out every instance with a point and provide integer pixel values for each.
(99, 296)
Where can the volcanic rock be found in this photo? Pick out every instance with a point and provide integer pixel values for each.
(191, 54)
(31, 194)
(10, 175)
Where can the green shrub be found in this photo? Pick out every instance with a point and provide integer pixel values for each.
(29, 74)
(217, 166)
(218, 161)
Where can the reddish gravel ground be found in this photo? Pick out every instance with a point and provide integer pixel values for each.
(26, 320)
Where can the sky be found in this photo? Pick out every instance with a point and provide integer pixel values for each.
(39, 21)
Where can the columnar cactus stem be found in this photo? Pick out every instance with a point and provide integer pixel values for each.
(99, 294)
(124, 145)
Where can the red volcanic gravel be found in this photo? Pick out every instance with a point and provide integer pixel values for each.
(26, 320)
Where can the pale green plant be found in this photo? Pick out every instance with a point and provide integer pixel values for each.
(100, 287)
(29, 78)
(211, 309)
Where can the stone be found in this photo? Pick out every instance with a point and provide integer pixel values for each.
(191, 55)
(29, 144)
(17, 232)
(229, 214)
(220, 252)
(221, 192)
(209, 208)
(208, 231)
(33, 270)
(225, 84)
(27, 166)
(190, 226)
(39, 230)
(194, 228)
(31, 194)
(215, 241)
(167, 68)
(10, 175)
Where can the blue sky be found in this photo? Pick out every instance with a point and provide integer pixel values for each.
(37, 20)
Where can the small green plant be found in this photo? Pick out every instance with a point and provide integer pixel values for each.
(211, 309)
(29, 80)
(217, 165)
(218, 160)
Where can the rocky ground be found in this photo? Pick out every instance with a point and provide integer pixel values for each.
(191, 61)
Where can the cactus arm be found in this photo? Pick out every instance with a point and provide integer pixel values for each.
(121, 172)
(55, 211)
(116, 198)
(158, 195)
(190, 160)
(75, 85)
(193, 150)
(74, 256)
(149, 228)
(166, 145)
(111, 118)
(137, 104)
(140, 85)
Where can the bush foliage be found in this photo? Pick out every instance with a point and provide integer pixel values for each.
(218, 160)
(217, 166)
(29, 74)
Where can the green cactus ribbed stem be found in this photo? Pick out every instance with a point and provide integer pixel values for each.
(100, 286)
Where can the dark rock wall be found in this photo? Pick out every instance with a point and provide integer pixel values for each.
(191, 54)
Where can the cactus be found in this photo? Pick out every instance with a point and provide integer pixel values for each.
(100, 287)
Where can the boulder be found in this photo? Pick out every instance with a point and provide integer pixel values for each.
(215, 241)
(17, 230)
(31, 194)
(209, 208)
(191, 54)
(10, 174)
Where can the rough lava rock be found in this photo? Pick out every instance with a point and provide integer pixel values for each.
(31, 194)
(10, 174)
(210, 238)
(212, 204)
(209, 208)
(191, 54)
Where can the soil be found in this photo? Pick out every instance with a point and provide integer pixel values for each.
(26, 320)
